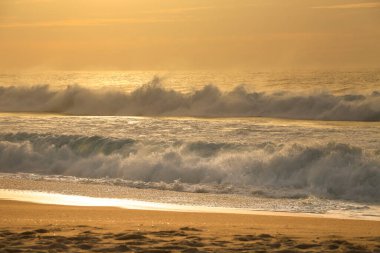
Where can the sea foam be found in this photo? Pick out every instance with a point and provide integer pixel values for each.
(332, 170)
(154, 100)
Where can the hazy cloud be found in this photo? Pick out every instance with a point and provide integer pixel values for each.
(86, 22)
(350, 6)
(179, 10)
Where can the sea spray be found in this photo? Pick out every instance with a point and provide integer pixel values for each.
(153, 99)
(333, 170)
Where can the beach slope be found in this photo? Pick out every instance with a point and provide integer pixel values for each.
(54, 228)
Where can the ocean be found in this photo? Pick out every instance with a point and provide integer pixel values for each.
(294, 141)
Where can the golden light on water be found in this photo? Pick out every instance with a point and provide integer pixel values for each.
(75, 200)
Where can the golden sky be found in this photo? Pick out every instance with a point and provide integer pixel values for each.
(189, 34)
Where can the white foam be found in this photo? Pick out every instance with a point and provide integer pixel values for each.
(333, 170)
(154, 100)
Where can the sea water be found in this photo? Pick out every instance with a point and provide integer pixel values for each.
(302, 141)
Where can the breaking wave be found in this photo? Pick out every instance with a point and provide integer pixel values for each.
(332, 170)
(154, 100)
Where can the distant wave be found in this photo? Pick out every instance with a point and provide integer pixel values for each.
(154, 100)
(330, 170)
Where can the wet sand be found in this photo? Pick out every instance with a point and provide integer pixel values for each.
(28, 227)
(203, 201)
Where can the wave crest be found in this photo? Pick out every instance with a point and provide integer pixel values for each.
(154, 100)
(331, 170)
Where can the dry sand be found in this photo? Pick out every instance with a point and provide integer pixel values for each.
(27, 227)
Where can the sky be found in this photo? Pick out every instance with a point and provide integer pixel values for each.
(189, 34)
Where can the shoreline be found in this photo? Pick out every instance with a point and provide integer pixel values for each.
(48, 198)
(99, 192)
(72, 228)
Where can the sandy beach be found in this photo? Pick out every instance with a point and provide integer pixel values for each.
(28, 227)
